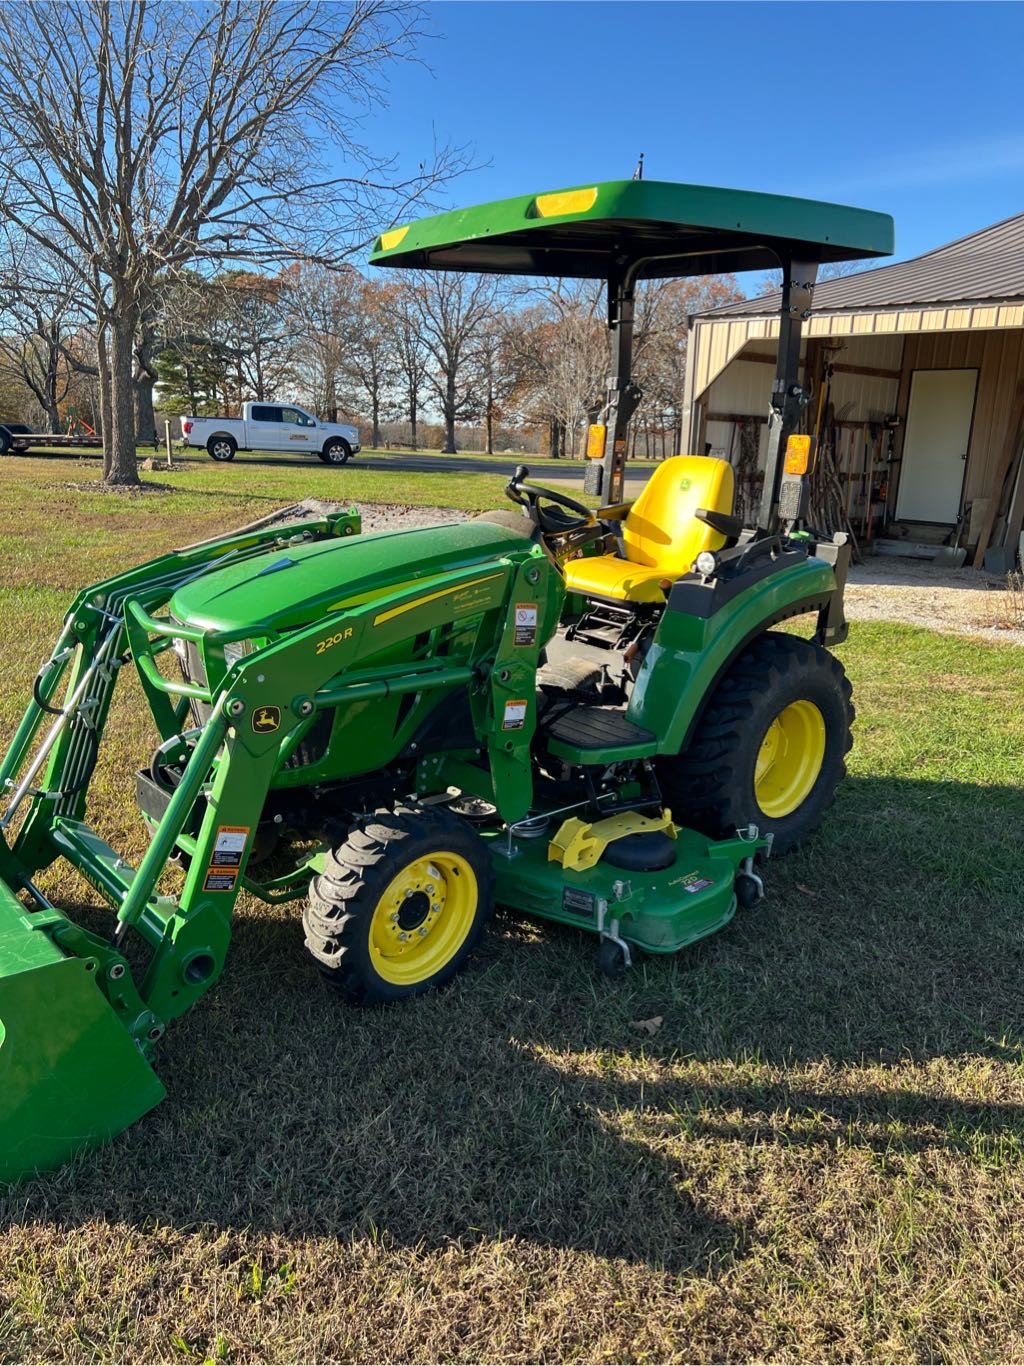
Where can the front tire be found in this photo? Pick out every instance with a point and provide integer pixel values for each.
(336, 452)
(770, 749)
(400, 905)
(222, 447)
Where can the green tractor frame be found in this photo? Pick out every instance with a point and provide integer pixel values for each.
(581, 714)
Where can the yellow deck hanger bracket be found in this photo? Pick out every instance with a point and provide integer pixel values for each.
(579, 844)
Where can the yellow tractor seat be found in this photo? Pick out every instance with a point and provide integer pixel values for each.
(661, 534)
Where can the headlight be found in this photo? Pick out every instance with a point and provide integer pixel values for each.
(707, 563)
(235, 650)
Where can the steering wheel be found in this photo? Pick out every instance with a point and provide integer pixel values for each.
(548, 520)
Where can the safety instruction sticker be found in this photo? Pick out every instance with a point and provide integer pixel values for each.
(220, 880)
(514, 717)
(229, 846)
(526, 623)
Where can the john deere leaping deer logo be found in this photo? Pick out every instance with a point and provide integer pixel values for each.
(266, 719)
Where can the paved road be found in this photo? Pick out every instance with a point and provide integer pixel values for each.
(566, 474)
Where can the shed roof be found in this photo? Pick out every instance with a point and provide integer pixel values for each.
(984, 265)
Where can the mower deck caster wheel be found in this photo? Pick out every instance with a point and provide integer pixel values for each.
(613, 958)
(749, 890)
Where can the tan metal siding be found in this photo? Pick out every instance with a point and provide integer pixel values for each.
(999, 358)
(723, 339)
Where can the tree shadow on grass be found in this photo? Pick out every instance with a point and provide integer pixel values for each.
(523, 1103)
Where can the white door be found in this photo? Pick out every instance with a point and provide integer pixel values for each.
(298, 430)
(265, 427)
(935, 447)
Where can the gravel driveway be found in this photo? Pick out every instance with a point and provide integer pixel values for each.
(964, 601)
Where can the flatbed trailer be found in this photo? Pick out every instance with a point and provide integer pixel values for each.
(16, 437)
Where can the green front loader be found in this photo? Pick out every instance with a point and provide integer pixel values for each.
(582, 714)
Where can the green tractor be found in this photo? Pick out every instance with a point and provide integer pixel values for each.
(585, 715)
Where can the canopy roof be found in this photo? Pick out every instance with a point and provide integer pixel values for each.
(596, 231)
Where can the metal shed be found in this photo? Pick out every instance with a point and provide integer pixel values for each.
(926, 366)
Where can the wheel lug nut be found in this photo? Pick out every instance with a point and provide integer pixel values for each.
(423, 930)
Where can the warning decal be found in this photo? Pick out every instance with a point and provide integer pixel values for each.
(526, 623)
(229, 846)
(514, 717)
(220, 880)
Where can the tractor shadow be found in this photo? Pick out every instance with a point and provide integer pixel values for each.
(524, 1103)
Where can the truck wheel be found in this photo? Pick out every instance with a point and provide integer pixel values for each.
(5, 441)
(770, 748)
(400, 905)
(222, 447)
(336, 452)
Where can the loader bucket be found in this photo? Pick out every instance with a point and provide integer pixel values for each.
(71, 1076)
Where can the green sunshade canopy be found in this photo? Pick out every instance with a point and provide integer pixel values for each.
(595, 231)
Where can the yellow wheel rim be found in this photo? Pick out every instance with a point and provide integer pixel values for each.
(423, 918)
(790, 759)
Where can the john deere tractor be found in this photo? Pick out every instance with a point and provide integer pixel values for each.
(582, 713)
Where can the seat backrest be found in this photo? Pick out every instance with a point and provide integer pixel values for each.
(661, 529)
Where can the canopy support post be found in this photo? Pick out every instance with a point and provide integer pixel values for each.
(607, 477)
(785, 496)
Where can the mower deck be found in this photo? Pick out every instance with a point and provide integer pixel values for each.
(659, 910)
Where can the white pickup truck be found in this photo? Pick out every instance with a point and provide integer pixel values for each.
(271, 427)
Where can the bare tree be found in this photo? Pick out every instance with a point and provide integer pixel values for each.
(451, 309)
(369, 358)
(322, 305)
(38, 316)
(411, 356)
(139, 138)
(254, 326)
(574, 356)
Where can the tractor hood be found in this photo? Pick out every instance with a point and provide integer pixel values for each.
(293, 585)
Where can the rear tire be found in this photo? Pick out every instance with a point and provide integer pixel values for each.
(770, 749)
(5, 441)
(400, 905)
(336, 452)
(222, 447)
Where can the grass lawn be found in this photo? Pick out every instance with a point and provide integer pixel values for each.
(819, 1156)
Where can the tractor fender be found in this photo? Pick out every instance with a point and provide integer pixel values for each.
(691, 653)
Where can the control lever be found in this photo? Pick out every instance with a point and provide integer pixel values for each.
(722, 522)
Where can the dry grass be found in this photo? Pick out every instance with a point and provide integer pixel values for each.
(818, 1157)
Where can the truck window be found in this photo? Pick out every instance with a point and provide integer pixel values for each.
(259, 413)
(299, 419)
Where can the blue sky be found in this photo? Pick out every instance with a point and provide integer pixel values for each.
(914, 109)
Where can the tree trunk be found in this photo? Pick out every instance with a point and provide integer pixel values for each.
(490, 426)
(413, 414)
(103, 385)
(449, 421)
(120, 440)
(145, 417)
(553, 439)
(375, 404)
